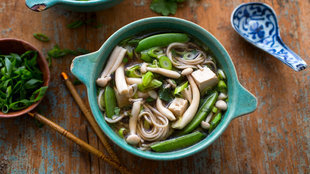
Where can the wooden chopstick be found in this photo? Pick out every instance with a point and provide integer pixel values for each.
(80, 142)
(89, 116)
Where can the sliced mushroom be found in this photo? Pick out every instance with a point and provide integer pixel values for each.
(120, 81)
(115, 119)
(142, 94)
(143, 68)
(132, 90)
(164, 72)
(113, 63)
(133, 138)
(100, 100)
(222, 105)
(205, 123)
(162, 109)
(187, 71)
(122, 100)
(222, 96)
(172, 83)
(132, 80)
(152, 94)
(192, 109)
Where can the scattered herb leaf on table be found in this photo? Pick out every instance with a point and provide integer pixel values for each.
(41, 37)
(165, 7)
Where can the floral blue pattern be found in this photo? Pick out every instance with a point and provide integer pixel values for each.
(258, 30)
(257, 23)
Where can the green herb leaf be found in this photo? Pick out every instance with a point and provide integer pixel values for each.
(56, 52)
(117, 110)
(38, 94)
(82, 51)
(32, 83)
(149, 99)
(20, 104)
(8, 66)
(41, 37)
(165, 94)
(164, 7)
(76, 24)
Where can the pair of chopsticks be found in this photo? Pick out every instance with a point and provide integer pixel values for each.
(80, 142)
(89, 116)
(114, 162)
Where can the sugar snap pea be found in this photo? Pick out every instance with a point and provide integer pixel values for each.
(161, 40)
(215, 121)
(203, 111)
(178, 143)
(109, 97)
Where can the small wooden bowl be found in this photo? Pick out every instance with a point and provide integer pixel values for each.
(9, 45)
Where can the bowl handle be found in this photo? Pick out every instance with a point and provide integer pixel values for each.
(82, 66)
(246, 102)
(41, 5)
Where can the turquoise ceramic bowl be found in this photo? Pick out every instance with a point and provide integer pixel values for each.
(75, 5)
(88, 67)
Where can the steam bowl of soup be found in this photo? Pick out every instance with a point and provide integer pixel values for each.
(162, 88)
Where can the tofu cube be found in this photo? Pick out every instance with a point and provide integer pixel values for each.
(205, 78)
(178, 106)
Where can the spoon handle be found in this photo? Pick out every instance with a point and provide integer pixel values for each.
(286, 55)
(41, 5)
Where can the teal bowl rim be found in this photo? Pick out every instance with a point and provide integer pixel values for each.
(233, 83)
(92, 2)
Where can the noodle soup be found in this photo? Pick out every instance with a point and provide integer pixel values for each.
(162, 91)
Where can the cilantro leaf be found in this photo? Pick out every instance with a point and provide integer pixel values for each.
(164, 7)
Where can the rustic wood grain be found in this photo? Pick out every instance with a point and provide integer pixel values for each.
(274, 139)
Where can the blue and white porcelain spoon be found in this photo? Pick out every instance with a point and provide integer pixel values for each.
(257, 23)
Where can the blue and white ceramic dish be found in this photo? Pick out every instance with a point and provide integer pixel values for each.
(74, 5)
(88, 67)
(257, 23)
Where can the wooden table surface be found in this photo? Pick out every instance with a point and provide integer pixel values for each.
(273, 139)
